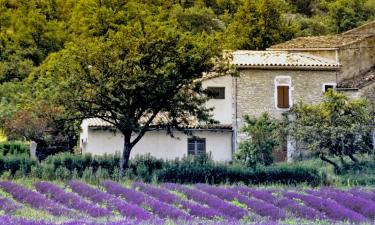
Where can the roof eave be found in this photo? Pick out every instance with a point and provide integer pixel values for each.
(289, 67)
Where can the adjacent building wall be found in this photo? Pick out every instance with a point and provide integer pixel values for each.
(223, 108)
(159, 144)
(357, 58)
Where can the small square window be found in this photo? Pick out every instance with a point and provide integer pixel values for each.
(327, 87)
(216, 92)
(196, 146)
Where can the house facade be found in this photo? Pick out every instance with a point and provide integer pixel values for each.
(269, 81)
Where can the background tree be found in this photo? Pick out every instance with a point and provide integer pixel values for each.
(337, 127)
(263, 137)
(257, 25)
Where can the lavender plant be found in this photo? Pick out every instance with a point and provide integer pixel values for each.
(8, 206)
(329, 207)
(112, 203)
(260, 207)
(70, 200)
(34, 199)
(160, 208)
(194, 209)
(360, 205)
(212, 201)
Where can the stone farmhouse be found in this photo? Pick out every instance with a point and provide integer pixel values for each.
(270, 81)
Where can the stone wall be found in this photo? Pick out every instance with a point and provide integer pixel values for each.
(357, 58)
(256, 90)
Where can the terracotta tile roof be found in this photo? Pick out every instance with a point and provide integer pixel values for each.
(359, 81)
(330, 41)
(282, 59)
(192, 124)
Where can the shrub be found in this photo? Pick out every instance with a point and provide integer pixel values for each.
(263, 138)
(14, 163)
(14, 148)
(220, 173)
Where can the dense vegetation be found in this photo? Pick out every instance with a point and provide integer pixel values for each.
(32, 31)
(94, 169)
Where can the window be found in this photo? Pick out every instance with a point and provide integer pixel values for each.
(283, 97)
(196, 146)
(328, 86)
(283, 92)
(216, 92)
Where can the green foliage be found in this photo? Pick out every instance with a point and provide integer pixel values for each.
(14, 163)
(14, 148)
(336, 127)
(263, 138)
(187, 172)
(257, 25)
(348, 14)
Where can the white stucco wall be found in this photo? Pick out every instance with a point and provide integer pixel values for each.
(223, 108)
(160, 145)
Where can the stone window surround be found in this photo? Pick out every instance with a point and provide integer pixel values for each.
(280, 81)
(328, 84)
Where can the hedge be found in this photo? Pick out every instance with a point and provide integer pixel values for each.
(95, 168)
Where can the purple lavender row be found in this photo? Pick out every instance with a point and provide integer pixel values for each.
(165, 196)
(285, 203)
(70, 200)
(258, 206)
(363, 194)
(212, 201)
(8, 206)
(331, 208)
(113, 203)
(160, 208)
(360, 205)
(34, 199)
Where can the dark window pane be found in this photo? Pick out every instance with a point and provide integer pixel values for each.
(216, 92)
(196, 146)
(327, 87)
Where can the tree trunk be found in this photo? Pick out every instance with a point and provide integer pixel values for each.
(124, 162)
(337, 168)
(354, 159)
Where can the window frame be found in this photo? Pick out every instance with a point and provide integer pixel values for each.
(196, 151)
(334, 85)
(280, 81)
(219, 88)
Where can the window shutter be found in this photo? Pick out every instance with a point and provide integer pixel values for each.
(283, 97)
(286, 97)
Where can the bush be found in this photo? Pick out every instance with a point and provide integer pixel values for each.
(221, 173)
(14, 148)
(14, 163)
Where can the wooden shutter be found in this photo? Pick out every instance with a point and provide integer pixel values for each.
(283, 97)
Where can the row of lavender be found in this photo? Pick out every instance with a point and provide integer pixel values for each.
(177, 202)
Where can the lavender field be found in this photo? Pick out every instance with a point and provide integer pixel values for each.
(111, 203)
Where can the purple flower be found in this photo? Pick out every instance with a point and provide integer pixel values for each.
(8, 206)
(260, 207)
(160, 208)
(363, 194)
(165, 196)
(70, 200)
(260, 194)
(300, 210)
(210, 200)
(113, 203)
(360, 205)
(331, 208)
(33, 198)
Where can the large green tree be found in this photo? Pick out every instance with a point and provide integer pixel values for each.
(137, 77)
